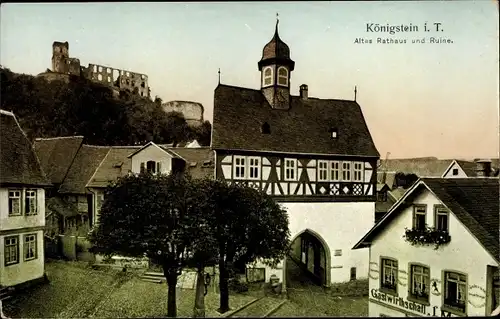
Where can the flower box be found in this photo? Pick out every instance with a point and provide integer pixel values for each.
(426, 237)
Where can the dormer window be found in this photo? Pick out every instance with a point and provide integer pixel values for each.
(266, 129)
(268, 76)
(333, 133)
(282, 76)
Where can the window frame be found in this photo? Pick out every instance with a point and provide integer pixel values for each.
(346, 171)
(16, 245)
(336, 171)
(359, 171)
(241, 166)
(323, 170)
(285, 76)
(452, 308)
(267, 77)
(27, 244)
(34, 198)
(19, 198)
(415, 213)
(287, 168)
(411, 294)
(250, 167)
(454, 172)
(383, 288)
(441, 210)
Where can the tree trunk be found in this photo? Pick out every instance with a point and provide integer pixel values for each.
(223, 286)
(199, 301)
(171, 303)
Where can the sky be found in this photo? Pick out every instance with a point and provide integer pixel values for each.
(418, 99)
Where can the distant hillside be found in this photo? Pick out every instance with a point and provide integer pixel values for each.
(52, 106)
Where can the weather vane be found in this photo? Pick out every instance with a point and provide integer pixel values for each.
(355, 92)
(219, 75)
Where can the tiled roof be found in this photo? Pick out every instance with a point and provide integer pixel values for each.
(116, 164)
(62, 207)
(468, 167)
(422, 167)
(85, 164)
(474, 201)
(56, 155)
(239, 114)
(18, 161)
(199, 161)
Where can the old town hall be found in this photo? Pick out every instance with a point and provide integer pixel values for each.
(314, 156)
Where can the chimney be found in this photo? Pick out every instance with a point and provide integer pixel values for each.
(303, 91)
(483, 168)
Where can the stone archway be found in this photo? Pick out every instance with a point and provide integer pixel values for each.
(310, 252)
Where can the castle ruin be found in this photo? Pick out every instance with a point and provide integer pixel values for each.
(118, 79)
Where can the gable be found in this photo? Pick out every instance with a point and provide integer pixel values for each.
(152, 152)
(454, 171)
(240, 113)
(473, 201)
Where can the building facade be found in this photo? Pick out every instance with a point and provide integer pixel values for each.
(22, 206)
(436, 253)
(314, 156)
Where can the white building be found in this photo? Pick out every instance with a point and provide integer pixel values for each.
(314, 156)
(22, 206)
(412, 276)
(478, 168)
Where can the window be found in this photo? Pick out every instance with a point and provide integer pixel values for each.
(29, 247)
(268, 76)
(151, 167)
(253, 167)
(346, 171)
(11, 250)
(30, 202)
(334, 133)
(353, 273)
(419, 217)
(290, 169)
(389, 275)
(455, 286)
(14, 202)
(282, 76)
(334, 170)
(358, 172)
(454, 172)
(441, 219)
(239, 167)
(419, 282)
(322, 170)
(338, 252)
(382, 196)
(266, 129)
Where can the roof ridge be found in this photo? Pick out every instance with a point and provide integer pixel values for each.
(5, 112)
(96, 146)
(58, 137)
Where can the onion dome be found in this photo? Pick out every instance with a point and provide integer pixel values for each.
(276, 52)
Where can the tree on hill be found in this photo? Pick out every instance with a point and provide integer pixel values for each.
(77, 106)
(405, 180)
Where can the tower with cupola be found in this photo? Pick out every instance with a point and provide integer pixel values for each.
(275, 68)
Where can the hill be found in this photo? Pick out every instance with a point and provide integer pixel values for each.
(69, 105)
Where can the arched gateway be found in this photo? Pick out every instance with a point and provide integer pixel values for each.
(310, 252)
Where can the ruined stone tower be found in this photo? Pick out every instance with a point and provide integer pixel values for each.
(60, 57)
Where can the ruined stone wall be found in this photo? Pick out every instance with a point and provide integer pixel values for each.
(125, 80)
(192, 111)
(116, 78)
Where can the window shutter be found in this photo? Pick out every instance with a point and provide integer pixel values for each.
(158, 167)
(143, 167)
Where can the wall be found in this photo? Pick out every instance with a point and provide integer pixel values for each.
(154, 153)
(22, 221)
(464, 254)
(24, 270)
(192, 111)
(119, 78)
(341, 225)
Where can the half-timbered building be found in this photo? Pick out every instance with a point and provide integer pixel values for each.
(314, 156)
